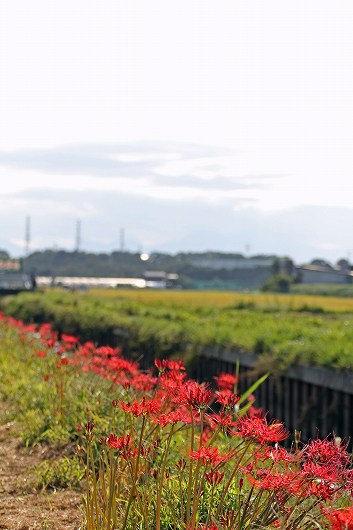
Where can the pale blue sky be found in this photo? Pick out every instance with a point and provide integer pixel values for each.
(202, 124)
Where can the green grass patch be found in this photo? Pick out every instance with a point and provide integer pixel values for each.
(288, 329)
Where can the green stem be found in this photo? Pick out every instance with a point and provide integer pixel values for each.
(133, 488)
(188, 501)
(161, 479)
(226, 487)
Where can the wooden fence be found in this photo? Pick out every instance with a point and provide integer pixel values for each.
(315, 400)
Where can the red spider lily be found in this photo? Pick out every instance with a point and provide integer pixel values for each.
(164, 364)
(222, 420)
(214, 477)
(171, 418)
(255, 412)
(227, 399)
(69, 340)
(89, 430)
(161, 364)
(207, 455)
(259, 430)
(276, 454)
(327, 473)
(195, 395)
(320, 489)
(171, 382)
(141, 408)
(65, 361)
(87, 349)
(47, 335)
(225, 381)
(326, 453)
(145, 382)
(341, 519)
(176, 366)
(181, 464)
(42, 354)
(348, 479)
(272, 480)
(121, 443)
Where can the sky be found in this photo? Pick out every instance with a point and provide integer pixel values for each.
(191, 125)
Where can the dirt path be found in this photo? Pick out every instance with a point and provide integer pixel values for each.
(23, 508)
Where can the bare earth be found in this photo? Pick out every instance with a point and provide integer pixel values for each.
(21, 506)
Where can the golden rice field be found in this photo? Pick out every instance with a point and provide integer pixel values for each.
(231, 299)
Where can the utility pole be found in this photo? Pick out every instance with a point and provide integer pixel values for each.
(27, 235)
(122, 240)
(78, 235)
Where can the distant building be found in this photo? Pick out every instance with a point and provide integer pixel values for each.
(84, 282)
(10, 265)
(160, 279)
(12, 282)
(230, 263)
(322, 274)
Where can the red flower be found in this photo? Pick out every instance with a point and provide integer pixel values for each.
(69, 340)
(225, 381)
(195, 395)
(276, 454)
(259, 430)
(222, 420)
(170, 418)
(207, 455)
(341, 519)
(327, 473)
(41, 354)
(227, 399)
(121, 443)
(143, 382)
(141, 409)
(176, 365)
(172, 381)
(272, 480)
(214, 477)
(322, 490)
(327, 453)
(164, 364)
(161, 364)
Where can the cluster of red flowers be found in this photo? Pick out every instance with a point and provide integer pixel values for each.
(341, 519)
(321, 469)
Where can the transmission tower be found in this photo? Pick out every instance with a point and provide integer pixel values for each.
(78, 236)
(27, 235)
(122, 240)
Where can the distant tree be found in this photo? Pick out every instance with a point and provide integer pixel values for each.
(282, 266)
(4, 254)
(343, 264)
(278, 283)
(321, 263)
